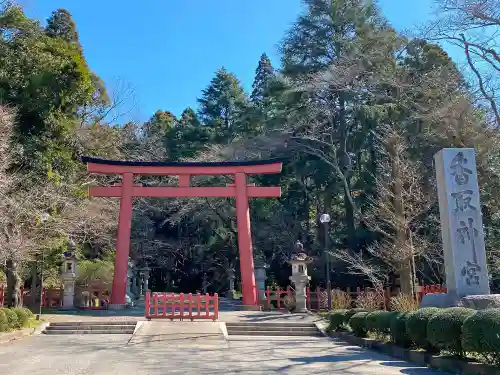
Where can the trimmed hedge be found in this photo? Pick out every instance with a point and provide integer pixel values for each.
(379, 322)
(444, 329)
(457, 329)
(358, 324)
(416, 325)
(481, 334)
(336, 319)
(397, 327)
(350, 313)
(12, 320)
(22, 316)
(4, 324)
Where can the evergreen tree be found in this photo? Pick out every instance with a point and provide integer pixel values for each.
(263, 75)
(159, 125)
(61, 25)
(187, 137)
(221, 105)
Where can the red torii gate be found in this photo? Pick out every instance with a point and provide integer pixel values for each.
(128, 190)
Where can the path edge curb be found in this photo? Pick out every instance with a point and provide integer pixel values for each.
(19, 334)
(421, 358)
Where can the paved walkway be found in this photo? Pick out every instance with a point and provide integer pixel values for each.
(164, 347)
(197, 348)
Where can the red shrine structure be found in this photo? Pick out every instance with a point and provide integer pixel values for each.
(127, 190)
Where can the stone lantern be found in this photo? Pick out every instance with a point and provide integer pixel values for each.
(230, 277)
(143, 281)
(68, 275)
(300, 278)
(260, 277)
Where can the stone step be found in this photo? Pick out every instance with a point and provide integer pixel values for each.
(273, 329)
(99, 327)
(91, 327)
(272, 325)
(92, 331)
(273, 333)
(107, 323)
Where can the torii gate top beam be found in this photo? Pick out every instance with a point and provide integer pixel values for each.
(102, 166)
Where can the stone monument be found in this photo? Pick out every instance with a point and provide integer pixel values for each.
(462, 233)
(143, 282)
(260, 278)
(299, 261)
(230, 277)
(129, 296)
(68, 276)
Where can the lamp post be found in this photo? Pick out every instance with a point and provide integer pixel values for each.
(45, 216)
(325, 219)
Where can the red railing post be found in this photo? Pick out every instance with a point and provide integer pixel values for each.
(190, 302)
(155, 303)
(216, 307)
(278, 297)
(207, 300)
(198, 303)
(318, 297)
(147, 306)
(181, 308)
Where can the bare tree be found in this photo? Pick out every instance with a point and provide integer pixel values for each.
(474, 27)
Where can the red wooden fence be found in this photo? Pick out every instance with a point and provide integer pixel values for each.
(52, 297)
(180, 306)
(316, 299)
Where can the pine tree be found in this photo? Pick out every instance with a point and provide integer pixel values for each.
(263, 75)
(61, 25)
(221, 104)
(187, 137)
(159, 124)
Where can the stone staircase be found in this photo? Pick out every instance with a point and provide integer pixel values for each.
(79, 328)
(273, 329)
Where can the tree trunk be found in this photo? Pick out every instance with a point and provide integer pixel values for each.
(404, 269)
(34, 290)
(345, 167)
(13, 293)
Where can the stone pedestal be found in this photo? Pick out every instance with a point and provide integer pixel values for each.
(230, 278)
(300, 279)
(68, 276)
(146, 280)
(69, 291)
(462, 232)
(300, 283)
(260, 280)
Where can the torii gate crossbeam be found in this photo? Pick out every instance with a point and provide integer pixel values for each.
(127, 190)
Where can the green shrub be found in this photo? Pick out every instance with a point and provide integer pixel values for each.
(444, 329)
(12, 320)
(336, 318)
(416, 326)
(349, 313)
(481, 334)
(22, 316)
(358, 324)
(28, 312)
(379, 322)
(397, 327)
(4, 324)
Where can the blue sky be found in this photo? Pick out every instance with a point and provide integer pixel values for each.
(168, 50)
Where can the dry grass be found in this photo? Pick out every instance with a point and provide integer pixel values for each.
(370, 300)
(404, 303)
(340, 300)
